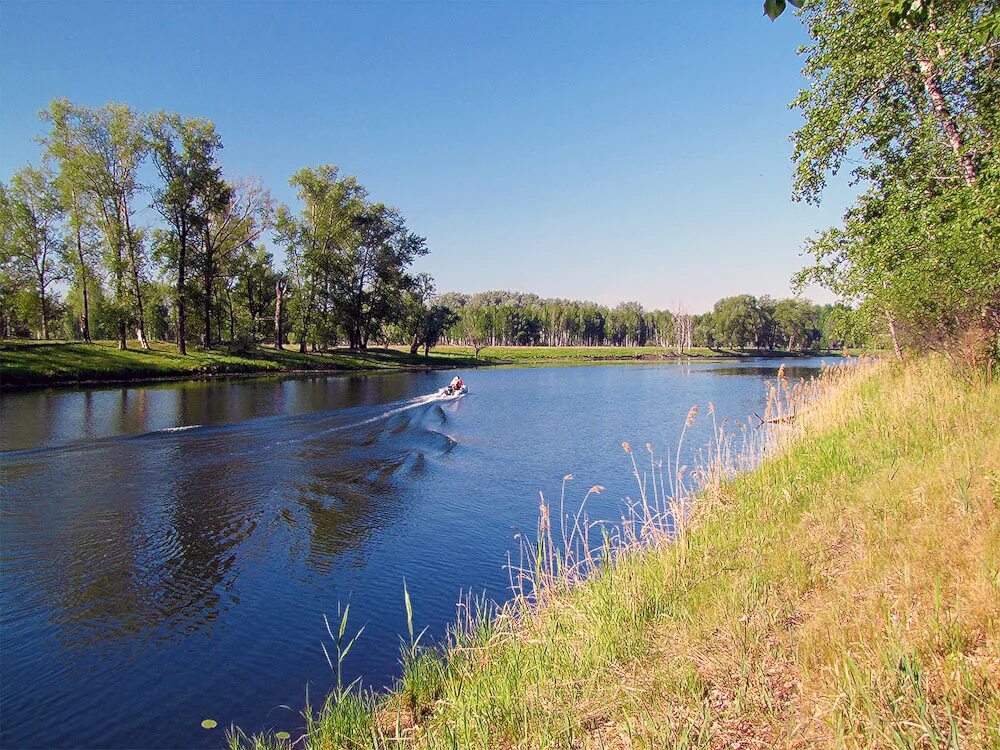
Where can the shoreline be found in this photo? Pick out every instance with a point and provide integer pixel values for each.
(35, 371)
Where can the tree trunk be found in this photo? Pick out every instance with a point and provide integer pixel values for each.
(209, 280)
(83, 281)
(895, 338)
(414, 344)
(181, 307)
(207, 291)
(140, 329)
(232, 314)
(44, 307)
(278, 334)
(253, 310)
(305, 318)
(951, 132)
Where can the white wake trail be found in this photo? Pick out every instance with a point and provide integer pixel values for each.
(406, 406)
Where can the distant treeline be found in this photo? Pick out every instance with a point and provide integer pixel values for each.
(503, 318)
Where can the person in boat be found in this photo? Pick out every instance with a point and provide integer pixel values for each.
(456, 384)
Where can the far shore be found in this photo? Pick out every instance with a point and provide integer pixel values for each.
(39, 364)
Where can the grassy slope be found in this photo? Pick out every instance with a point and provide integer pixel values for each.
(37, 363)
(844, 594)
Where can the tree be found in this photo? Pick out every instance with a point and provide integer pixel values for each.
(437, 320)
(192, 189)
(914, 93)
(796, 322)
(414, 323)
(375, 264)
(737, 320)
(238, 214)
(318, 242)
(32, 244)
(99, 152)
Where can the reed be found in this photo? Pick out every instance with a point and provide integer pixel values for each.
(799, 585)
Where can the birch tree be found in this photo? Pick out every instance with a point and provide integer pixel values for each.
(911, 98)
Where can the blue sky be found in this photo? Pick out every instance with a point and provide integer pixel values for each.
(605, 151)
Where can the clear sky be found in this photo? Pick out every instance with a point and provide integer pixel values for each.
(605, 151)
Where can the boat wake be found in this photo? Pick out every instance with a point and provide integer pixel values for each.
(413, 403)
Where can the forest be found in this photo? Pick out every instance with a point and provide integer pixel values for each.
(743, 321)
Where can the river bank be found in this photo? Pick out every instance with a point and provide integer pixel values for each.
(820, 599)
(34, 364)
(26, 364)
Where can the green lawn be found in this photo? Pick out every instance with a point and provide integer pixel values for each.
(41, 363)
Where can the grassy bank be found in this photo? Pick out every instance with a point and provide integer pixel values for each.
(54, 363)
(846, 593)
(542, 354)
(36, 363)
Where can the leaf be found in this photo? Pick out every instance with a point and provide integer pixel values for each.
(282, 735)
(797, 3)
(773, 8)
(209, 724)
(409, 611)
(343, 623)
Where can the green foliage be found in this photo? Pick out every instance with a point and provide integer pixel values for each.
(192, 190)
(513, 319)
(99, 153)
(31, 248)
(774, 8)
(349, 259)
(913, 100)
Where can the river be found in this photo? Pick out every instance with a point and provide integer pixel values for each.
(167, 551)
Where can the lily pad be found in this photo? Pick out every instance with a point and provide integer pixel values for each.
(283, 735)
(209, 724)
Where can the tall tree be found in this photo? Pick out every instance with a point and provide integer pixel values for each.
(99, 152)
(375, 271)
(184, 151)
(319, 240)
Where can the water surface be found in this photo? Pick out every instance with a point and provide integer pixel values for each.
(168, 550)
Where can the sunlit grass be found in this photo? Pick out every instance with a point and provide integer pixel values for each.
(39, 363)
(844, 593)
(539, 354)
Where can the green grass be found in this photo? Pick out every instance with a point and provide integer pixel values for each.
(539, 354)
(846, 593)
(34, 363)
(51, 363)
